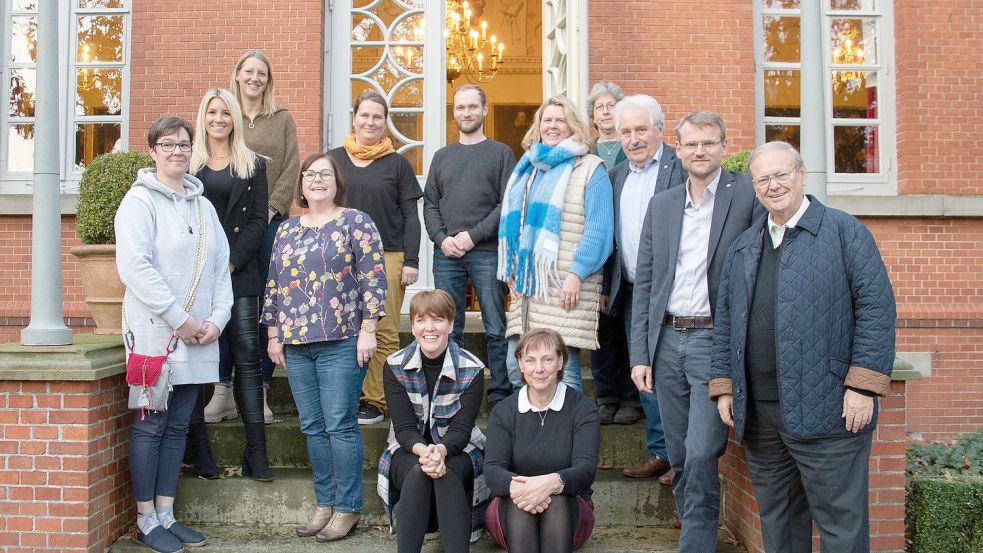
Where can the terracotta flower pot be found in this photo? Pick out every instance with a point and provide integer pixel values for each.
(102, 286)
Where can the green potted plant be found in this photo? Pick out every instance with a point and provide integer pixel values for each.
(104, 183)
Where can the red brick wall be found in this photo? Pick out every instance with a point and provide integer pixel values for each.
(64, 483)
(887, 465)
(939, 96)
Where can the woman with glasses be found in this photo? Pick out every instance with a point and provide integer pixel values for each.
(604, 97)
(325, 294)
(268, 130)
(382, 183)
(166, 235)
(555, 234)
(234, 178)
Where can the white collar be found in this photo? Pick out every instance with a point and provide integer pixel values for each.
(793, 220)
(555, 404)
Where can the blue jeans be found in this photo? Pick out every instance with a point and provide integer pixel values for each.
(264, 254)
(571, 371)
(326, 383)
(157, 443)
(695, 435)
(451, 276)
(655, 436)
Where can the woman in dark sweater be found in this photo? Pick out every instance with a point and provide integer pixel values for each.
(235, 183)
(433, 457)
(541, 455)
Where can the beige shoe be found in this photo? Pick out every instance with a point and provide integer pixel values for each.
(339, 526)
(320, 519)
(267, 412)
(222, 406)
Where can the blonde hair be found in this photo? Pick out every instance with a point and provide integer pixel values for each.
(570, 113)
(243, 160)
(267, 104)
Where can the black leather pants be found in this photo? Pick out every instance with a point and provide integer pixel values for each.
(239, 347)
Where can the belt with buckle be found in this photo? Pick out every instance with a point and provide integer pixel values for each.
(680, 322)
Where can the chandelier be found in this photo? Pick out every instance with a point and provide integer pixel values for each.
(471, 52)
(847, 50)
(87, 80)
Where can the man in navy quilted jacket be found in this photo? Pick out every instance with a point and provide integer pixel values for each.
(803, 344)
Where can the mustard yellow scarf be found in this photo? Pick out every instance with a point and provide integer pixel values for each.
(383, 148)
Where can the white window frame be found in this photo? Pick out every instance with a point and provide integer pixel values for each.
(20, 182)
(883, 183)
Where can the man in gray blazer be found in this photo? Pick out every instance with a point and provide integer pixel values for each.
(684, 240)
(652, 167)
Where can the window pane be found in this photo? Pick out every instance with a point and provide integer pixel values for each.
(93, 139)
(782, 4)
(855, 94)
(782, 94)
(785, 133)
(853, 4)
(100, 39)
(22, 87)
(99, 91)
(20, 149)
(25, 5)
(100, 3)
(854, 41)
(23, 39)
(781, 38)
(856, 150)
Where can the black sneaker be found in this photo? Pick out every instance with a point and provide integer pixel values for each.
(369, 414)
(159, 540)
(188, 537)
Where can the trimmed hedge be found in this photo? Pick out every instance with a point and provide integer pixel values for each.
(104, 183)
(737, 163)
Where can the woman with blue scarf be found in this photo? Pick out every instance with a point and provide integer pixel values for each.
(555, 234)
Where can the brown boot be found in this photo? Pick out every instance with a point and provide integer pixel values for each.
(650, 468)
(320, 519)
(338, 527)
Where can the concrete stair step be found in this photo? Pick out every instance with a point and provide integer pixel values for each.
(267, 538)
(290, 500)
(621, 445)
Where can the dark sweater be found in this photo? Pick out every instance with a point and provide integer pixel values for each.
(566, 442)
(387, 190)
(404, 419)
(762, 357)
(464, 192)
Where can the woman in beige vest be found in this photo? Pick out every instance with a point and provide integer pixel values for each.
(555, 234)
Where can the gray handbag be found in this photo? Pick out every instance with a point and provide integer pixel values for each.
(149, 377)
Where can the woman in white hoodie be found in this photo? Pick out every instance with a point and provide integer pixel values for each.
(158, 226)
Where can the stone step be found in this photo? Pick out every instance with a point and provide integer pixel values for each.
(621, 445)
(290, 500)
(267, 538)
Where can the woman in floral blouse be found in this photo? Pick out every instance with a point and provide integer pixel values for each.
(324, 296)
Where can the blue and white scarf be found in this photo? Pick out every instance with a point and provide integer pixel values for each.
(528, 248)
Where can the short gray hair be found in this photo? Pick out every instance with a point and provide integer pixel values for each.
(641, 102)
(703, 118)
(777, 146)
(599, 89)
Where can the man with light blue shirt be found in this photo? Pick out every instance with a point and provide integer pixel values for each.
(681, 252)
(651, 167)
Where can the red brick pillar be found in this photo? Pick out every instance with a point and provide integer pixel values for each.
(64, 429)
(887, 480)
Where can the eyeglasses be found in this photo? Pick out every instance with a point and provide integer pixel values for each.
(604, 107)
(781, 177)
(324, 174)
(707, 144)
(169, 146)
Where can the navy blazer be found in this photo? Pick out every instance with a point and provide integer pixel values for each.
(671, 174)
(734, 209)
(245, 221)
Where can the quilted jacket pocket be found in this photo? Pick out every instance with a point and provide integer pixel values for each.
(839, 367)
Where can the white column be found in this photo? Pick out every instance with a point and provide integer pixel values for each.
(813, 129)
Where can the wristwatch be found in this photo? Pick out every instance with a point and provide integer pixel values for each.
(369, 325)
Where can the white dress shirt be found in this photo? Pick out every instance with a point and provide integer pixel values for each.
(635, 195)
(690, 294)
(777, 232)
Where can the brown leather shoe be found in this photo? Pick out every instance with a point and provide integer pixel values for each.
(666, 479)
(320, 519)
(338, 527)
(650, 468)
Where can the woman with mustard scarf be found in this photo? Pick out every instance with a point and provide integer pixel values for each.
(382, 183)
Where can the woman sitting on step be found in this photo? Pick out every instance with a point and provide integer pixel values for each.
(541, 455)
(432, 461)
(325, 293)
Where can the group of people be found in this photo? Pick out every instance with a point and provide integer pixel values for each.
(617, 244)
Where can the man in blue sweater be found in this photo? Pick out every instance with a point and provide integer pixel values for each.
(803, 345)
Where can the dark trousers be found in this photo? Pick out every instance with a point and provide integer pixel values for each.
(264, 254)
(157, 443)
(426, 504)
(798, 481)
(609, 364)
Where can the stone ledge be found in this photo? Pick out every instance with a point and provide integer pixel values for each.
(920, 205)
(23, 204)
(90, 357)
